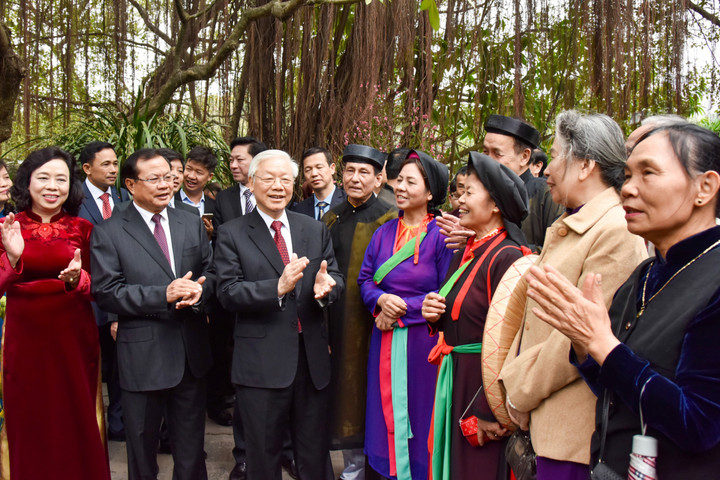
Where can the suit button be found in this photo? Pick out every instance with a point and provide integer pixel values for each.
(292, 294)
(562, 231)
(293, 324)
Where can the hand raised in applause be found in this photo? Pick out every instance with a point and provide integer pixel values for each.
(392, 305)
(433, 307)
(324, 283)
(450, 227)
(12, 239)
(184, 291)
(71, 275)
(292, 274)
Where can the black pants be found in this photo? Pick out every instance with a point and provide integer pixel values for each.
(184, 410)
(266, 412)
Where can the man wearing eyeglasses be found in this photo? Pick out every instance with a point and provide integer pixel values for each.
(150, 264)
(276, 272)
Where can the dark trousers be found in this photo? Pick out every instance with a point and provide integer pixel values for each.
(110, 375)
(184, 409)
(221, 343)
(265, 414)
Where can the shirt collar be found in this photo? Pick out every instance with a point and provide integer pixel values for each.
(186, 199)
(147, 215)
(95, 192)
(268, 219)
(326, 199)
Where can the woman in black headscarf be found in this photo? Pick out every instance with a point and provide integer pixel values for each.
(405, 260)
(493, 205)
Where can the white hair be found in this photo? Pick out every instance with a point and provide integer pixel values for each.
(268, 154)
(664, 120)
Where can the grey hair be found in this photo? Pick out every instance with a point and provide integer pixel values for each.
(594, 137)
(664, 120)
(268, 154)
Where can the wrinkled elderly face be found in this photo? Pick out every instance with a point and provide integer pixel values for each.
(272, 185)
(478, 211)
(153, 188)
(501, 148)
(360, 181)
(658, 195)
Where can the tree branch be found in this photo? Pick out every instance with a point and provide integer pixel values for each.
(12, 72)
(712, 18)
(150, 25)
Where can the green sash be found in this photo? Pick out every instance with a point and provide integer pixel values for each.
(407, 251)
(442, 426)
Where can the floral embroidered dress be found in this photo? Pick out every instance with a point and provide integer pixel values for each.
(51, 356)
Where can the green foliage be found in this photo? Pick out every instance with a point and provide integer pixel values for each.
(179, 132)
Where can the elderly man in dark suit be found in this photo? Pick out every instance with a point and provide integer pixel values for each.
(319, 169)
(149, 267)
(100, 164)
(277, 270)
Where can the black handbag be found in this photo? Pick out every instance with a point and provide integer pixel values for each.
(520, 455)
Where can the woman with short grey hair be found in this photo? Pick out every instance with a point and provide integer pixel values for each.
(544, 391)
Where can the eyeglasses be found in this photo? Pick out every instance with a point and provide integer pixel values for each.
(156, 180)
(268, 181)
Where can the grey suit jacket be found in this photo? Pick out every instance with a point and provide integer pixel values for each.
(130, 275)
(266, 332)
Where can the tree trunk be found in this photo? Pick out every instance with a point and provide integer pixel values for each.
(11, 74)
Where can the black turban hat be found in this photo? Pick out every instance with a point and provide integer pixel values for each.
(514, 128)
(364, 154)
(437, 175)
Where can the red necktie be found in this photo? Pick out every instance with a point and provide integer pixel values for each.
(107, 209)
(280, 241)
(159, 233)
(282, 248)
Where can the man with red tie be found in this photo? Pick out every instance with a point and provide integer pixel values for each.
(277, 271)
(100, 165)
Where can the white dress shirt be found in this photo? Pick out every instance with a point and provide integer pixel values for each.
(96, 193)
(147, 217)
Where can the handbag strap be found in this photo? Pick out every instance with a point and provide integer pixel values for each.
(604, 423)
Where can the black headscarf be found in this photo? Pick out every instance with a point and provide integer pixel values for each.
(437, 177)
(506, 189)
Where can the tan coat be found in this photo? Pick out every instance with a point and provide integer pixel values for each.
(541, 379)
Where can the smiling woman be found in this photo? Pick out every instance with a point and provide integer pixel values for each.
(51, 347)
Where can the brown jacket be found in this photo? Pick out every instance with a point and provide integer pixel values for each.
(541, 379)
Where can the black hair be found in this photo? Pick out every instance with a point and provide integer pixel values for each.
(20, 190)
(538, 156)
(255, 146)
(452, 187)
(87, 155)
(697, 148)
(313, 151)
(171, 155)
(395, 161)
(204, 156)
(129, 167)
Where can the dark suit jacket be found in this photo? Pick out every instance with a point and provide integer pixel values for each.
(266, 337)
(227, 205)
(130, 276)
(89, 209)
(307, 206)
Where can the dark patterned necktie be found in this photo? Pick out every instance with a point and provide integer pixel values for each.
(249, 207)
(321, 209)
(159, 233)
(107, 209)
